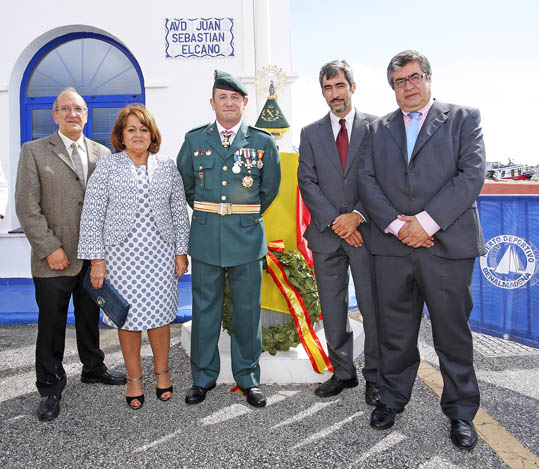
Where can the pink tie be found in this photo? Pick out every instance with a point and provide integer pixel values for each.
(342, 142)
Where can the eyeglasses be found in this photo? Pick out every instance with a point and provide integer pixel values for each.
(413, 79)
(69, 109)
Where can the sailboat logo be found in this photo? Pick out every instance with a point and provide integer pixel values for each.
(510, 262)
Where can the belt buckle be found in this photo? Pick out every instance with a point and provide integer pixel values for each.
(225, 208)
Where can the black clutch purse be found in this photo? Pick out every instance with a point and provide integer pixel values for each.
(108, 299)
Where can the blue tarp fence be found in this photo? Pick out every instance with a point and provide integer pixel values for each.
(505, 282)
(506, 279)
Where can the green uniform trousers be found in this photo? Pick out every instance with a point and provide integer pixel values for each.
(208, 283)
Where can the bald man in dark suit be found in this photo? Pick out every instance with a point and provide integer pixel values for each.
(51, 181)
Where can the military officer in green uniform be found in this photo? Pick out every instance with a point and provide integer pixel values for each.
(231, 173)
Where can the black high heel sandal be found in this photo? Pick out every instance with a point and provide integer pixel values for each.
(160, 391)
(130, 399)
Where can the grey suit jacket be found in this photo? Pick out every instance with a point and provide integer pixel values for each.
(49, 199)
(444, 177)
(327, 190)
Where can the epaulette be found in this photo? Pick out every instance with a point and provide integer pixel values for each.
(259, 129)
(198, 127)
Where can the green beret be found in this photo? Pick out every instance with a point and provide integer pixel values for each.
(225, 81)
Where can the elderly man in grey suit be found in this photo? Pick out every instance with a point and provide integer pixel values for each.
(338, 231)
(49, 193)
(419, 178)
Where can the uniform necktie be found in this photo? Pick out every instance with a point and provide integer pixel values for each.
(226, 137)
(342, 142)
(411, 132)
(77, 163)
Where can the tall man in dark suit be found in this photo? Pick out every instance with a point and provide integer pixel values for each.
(419, 181)
(231, 174)
(51, 180)
(338, 232)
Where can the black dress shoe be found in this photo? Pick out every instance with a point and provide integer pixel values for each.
(463, 434)
(49, 407)
(372, 394)
(334, 386)
(383, 417)
(108, 377)
(197, 394)
(255, 396)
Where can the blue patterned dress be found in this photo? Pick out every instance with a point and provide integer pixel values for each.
(141, 268)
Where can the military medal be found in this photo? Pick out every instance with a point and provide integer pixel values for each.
(247, 181)
(246, 156)
(226, 137)
(195, 153)
(237, 163)
(208, 152)
(260, 154)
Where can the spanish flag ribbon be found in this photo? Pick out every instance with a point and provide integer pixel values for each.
(237, 389)
(277, 246)
(307, 335)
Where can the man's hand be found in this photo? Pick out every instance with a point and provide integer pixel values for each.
(181, 265)
(98, 273)
(58, 260)
(355, 239)
(346, 224)
(413, 234)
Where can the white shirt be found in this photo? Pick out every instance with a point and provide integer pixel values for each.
(234, 131)
(3, 192)
(81, 146)
(336, 126)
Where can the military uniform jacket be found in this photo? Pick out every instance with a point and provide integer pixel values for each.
(206, 168)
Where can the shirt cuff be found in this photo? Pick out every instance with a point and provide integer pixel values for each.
(361, 215)
(394, 227)
(427, 223)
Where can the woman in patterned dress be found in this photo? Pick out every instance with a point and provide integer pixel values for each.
(135, 230)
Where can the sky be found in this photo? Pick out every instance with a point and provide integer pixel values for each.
(483, 54)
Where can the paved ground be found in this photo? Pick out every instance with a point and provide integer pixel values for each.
(297, 429)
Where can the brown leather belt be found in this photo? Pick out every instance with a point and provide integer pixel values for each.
(226, 208)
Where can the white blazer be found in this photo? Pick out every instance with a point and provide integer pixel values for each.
(110, 204)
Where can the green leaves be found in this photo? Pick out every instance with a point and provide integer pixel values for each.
(283, 337)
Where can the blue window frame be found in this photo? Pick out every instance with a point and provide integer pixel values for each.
(103, 71)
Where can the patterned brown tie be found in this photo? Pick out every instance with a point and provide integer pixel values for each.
(77, 163)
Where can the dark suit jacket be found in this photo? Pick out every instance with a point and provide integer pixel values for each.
(444, 177)
(49, 198)
(206, 169)
(327, 190)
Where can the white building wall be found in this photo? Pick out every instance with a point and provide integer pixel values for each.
(177, 90)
